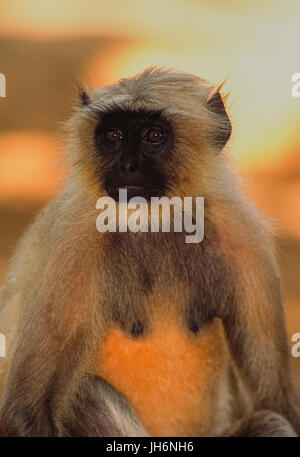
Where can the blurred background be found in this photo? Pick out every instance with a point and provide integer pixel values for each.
(47, 47)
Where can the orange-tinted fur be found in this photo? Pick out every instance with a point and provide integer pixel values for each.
(169, 376)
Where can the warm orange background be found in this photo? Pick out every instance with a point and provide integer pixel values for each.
(46, 47)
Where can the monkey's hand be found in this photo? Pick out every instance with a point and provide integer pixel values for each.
(292, 410)
(99, 409)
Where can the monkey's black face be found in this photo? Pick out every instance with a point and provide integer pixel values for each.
(134, 148)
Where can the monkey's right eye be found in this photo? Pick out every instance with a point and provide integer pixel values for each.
(113, 136)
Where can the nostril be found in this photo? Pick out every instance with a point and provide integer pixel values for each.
(122, 165)
(133, 167)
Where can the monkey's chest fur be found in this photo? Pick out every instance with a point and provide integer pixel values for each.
(164, 349)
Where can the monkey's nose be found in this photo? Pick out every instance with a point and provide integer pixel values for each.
(128, 166)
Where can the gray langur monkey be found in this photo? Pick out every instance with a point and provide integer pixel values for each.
(136, 334)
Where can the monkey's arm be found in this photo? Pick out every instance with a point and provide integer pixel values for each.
(254, 320)
(261, 424)
(95, 409)
(48, 392)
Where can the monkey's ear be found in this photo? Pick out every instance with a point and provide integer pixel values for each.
(85, 99)
(221, 136)
(83, 96)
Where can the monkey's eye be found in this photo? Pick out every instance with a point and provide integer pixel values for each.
(154, 135)
(113, 136)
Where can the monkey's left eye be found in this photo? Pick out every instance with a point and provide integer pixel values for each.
(154, 135)
(113, 136)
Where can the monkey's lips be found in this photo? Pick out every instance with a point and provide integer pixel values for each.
(134, 190)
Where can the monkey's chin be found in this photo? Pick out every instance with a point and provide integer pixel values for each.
(135, 191)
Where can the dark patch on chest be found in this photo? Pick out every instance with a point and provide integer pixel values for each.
(192, 325)
(136, 265)
(137, 329)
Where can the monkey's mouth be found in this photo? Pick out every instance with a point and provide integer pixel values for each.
(133, 190)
